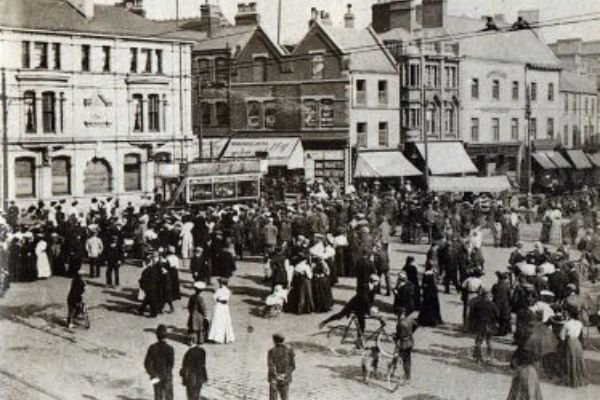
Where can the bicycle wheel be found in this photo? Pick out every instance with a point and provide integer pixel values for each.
(342, 340)
(394, 374)
(386, 343)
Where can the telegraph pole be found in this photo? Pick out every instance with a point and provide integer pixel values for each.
(279, 22)
(528, 119)
(424, 116)
(4, 142)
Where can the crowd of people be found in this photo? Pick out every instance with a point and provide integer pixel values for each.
(307, 246)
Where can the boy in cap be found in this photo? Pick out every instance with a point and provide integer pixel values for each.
(483, 319)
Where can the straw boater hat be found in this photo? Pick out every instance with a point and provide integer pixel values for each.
(200, 285)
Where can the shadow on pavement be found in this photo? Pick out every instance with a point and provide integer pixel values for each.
(347, 372)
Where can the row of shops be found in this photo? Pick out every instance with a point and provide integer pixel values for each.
(564, 170)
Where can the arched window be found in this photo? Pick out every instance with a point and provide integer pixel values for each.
(97, 177)
(61, 176)
(30, 112)
(132, 173)
(24, 177)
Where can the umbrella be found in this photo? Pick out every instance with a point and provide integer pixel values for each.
(526, 269)
(542, 341)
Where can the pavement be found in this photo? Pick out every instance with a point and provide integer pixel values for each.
(41, 359)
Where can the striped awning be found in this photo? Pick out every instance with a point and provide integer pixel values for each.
(543, 160)
(579, 159)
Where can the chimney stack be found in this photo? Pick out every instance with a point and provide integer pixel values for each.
(434, 13)
(325, 18)
(349, 17)
(247, 14)
(85, 7)
(314, 16)
(394, 14)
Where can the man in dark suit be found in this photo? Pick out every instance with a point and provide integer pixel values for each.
(114, 258)
(483, 321)
(159, 365)
(149, 282)
(193, 370)
(281, 363)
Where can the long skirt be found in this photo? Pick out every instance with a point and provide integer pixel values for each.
(221, 327)
(300, 300)
(575, 374)
(555, 234)
(321, 291)
(525, 384)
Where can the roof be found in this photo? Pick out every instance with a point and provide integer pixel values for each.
(234, 37)
(571, 81)
(447, 158)
(361, 44)
(383, 164)
(60, 16)
(497, 46)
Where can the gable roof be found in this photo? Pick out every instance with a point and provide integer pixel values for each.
(366, 51)
(571, 81)
(60, 16)
(497, 46)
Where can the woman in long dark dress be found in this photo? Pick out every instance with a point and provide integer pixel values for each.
(56, 256)
(28, 259)
(321, 287)
(300, 300)
(15, 265)
(525, 383)
(413, 277)
(430, 314)
(575, 373)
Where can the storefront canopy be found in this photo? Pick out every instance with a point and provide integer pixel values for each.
(558, 160)
(543, 160)
(383, 164)
(595, 159)
(281, 152)
(473, 184)
(579, 159)
(447, 158)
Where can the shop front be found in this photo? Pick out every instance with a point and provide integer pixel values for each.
(550, 171)
(386, 168)
(581, 174)
(496, 159)
(595, 159)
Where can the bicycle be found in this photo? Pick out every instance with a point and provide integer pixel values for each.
(339, 336)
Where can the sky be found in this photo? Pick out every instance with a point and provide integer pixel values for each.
(296, 13)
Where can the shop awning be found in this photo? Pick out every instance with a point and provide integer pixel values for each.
(579, 159)
(383, 164)
(446, 158)
(595, 159)
(281, 152)
(475, 184)
(543, 160)
(558, 160)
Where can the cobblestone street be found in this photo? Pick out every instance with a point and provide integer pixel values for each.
(41, 359)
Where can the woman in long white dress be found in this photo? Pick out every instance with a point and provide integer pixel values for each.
(555, 236)
(221, 328)
(187, 244)
(42, 264)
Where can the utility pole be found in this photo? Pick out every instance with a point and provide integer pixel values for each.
(4, 142)
(279, 22)
(424, 118)
(528, 123)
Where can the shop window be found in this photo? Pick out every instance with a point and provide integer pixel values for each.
(317, 66)
(270, 114)
(30, 112)
(383, 134)
(133, 60)
(222, 113)
(138, 113)
(97, 177)
(327, 113)
(154, 113)
(259, 69)
(255, 114)
(85, 57)
(61, 176)
(361, 135)
(361, 92)
(49, 112)
(310, 113)
(132, 169)
(24, 177)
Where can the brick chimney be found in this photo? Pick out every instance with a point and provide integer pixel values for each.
(394, 14)
(434, 13)
(314, 16)
(349, 17)
(85, 7)
(247, 14)
(325, 18)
